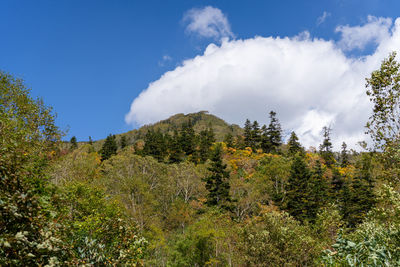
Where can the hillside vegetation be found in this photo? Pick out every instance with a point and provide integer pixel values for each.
(195, 191)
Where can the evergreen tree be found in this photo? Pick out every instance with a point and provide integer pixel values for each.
(318, 190)
(272, 137)
(91, 148)
(255, 136)
(187, 138)
(206, 139)
(154, 145)
(109, 147)
(294, 145)
(247, 133)
(307, 190)
(74, 144)
(344, 156)
(123, 142)
(90, 141)
(217, 183)
(175, 149)
(358, 198)
(298, 194)
(228, 140)
(325, 149)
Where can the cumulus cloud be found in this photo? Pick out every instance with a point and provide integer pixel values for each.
(323, 17)
(208, 22)
(357, 37)
(310, 83)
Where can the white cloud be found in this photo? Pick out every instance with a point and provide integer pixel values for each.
(208, 22)
(323, 17)
(310, 83)
(375, 30)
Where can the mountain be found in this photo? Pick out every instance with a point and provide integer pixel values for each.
(200, 120)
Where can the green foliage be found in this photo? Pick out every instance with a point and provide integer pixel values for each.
(294, 145)
(325, 149)
(217, 183)
(123, 142)
(272, 136)
(276, 239)
(109, 147)
(73, 142)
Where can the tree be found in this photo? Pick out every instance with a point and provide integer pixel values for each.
(217, 183)
(272, 136)
(255, 135)
(247, 133)
(187, 138)
(90, 140)
(228, 140)
(123, 142)
(109, 148)
(383, 89)
(344, 156)
(294, 145)
(28, 137)
(325, 149)
(307, 190)
(74, 144)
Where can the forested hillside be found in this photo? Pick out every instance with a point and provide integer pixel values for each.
(193, 190)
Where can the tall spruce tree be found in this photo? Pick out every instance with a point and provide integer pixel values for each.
(155, 145)
(307, 190)
(358, 196)
(272, 136)
(109, 147)
(174, 148)
(325, 149)
(255, 136)
(217, 183)
(294, 145)
(247, 133)
(187, 138)
(73, 142)
(228, 140)
(344, 156)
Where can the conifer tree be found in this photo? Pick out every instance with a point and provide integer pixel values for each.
(123, 142)
(90, 141)
(255, 136)
(247, 133)
(217, 183)
(109, 147)
(175, 149)
(318, 190)
(298, 194)
(187, 138)
(74, 144)
(228, 140)
(344, 156)
(272, 137)
(155, 145)
(206, 140)
(294, 145)
(325, 149)
(358, 197)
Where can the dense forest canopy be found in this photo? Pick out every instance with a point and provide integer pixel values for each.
(195, 191)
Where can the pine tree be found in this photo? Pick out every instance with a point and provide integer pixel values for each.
(228, 140)
(90, 141)
(187, 138)
(175, 149)
(247, 133)
(325, 149)
(109, 147)
(272, 136)
(154, 145)
(319, 191)
(298, 194)
(123, 142)
(359, 198)
(217, 183)
(294, 145)
(255, 136)
(206, 140)
(344, 156)
(74, 144)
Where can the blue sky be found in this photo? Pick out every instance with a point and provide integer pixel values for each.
(90, 59)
